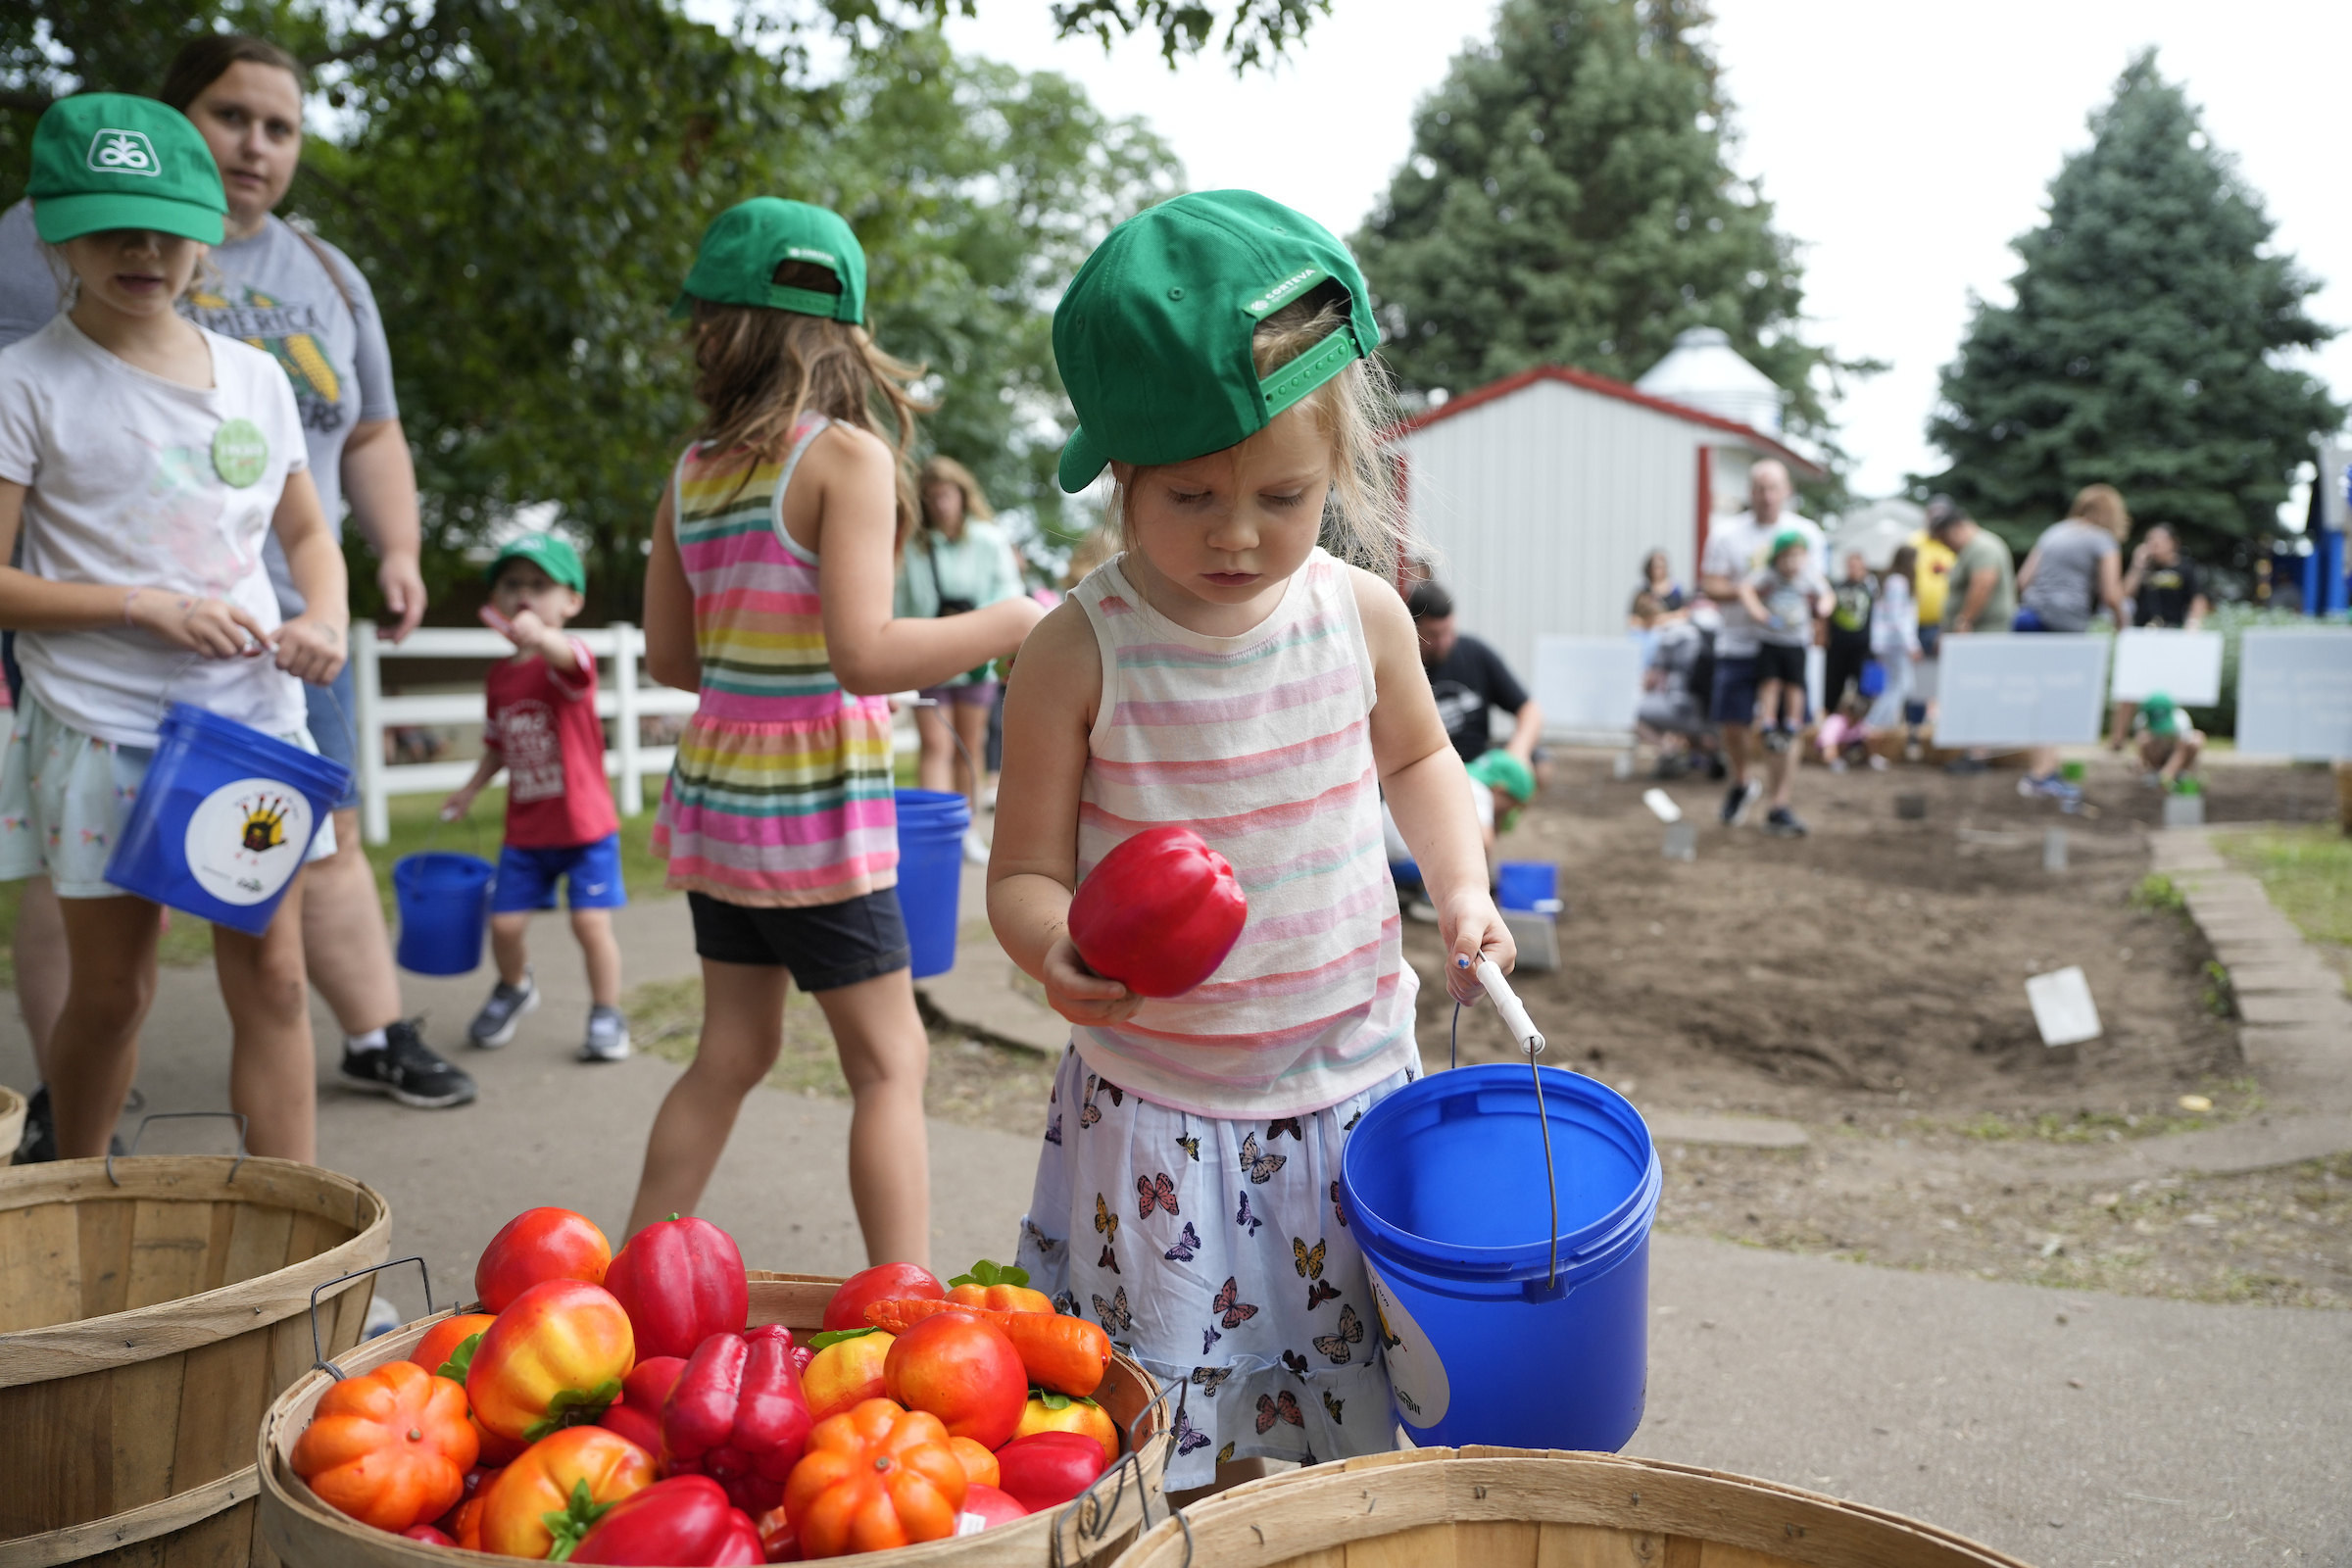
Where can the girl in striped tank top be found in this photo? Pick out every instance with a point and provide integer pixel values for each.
(768, 590)
(1229, 673)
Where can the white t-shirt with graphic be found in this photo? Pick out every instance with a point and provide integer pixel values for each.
(1735, 547)
(132, 481)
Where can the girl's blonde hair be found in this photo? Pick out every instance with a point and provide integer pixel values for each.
(2103, 506)
(947, 471)
(758, 371)
(1364, 522)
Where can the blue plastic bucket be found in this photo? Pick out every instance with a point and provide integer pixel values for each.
(931, 828)
(444, 902)
(1528, 885)
(223, 820)
(1443, 1184)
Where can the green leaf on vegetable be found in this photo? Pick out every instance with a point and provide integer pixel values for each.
(573, 1520)
(573, 1407)
(986, 1273)
(818, 1342)
(1053, 1400)
(461, 1359)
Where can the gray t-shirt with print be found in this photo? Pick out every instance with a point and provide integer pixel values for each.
(275, 292)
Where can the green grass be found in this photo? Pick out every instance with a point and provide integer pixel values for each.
(2306, 870)
(2156, 895)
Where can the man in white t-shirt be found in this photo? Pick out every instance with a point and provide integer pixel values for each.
(1735, 549)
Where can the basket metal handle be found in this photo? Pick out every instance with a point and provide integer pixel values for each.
(320, 1363)
(236, 1116)
(1092, 1516)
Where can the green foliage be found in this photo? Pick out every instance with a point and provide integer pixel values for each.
(1568, 201)
(1255, 34)
(2158, 894)
(2306, 871)
(2140, 348)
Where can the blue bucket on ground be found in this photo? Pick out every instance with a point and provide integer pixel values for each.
(1443, 1184)
(931, 828)
(1528, 885)
(223, 820)
(444, 903)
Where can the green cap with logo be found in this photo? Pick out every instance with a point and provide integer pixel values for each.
(745, 245)
(107, 160)
(549, 554)
(1154, 337)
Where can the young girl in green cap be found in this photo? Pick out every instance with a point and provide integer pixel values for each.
(1229, 673)
(768, 590)
(142, 461)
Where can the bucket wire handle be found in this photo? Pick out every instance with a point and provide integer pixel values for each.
(1531, 1040)
(236, 1116)
(317, 1350)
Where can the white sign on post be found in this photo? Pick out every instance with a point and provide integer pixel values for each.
(2038, 689)
(2294, 693)
(1588, 683)
(2184, 666)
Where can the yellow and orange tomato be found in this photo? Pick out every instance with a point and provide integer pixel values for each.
(553, 1359)
(557, 1490)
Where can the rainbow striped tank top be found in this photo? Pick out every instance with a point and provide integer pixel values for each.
(781, 790)
(1262, 745)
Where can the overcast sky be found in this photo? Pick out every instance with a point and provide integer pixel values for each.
(1903, 145)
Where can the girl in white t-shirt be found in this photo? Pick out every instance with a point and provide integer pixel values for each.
(141, 461)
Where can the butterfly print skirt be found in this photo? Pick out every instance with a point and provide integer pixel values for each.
(1216, 1253)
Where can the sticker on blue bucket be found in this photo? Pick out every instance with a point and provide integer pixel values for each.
(247, 838)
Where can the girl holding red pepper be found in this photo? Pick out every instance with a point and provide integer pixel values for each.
(1227, 674)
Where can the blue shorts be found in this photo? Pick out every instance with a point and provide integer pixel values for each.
(526, 878)
(331, 721)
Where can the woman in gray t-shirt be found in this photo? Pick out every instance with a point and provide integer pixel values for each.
(2076, 569)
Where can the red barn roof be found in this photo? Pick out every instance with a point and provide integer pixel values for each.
(1585, 381)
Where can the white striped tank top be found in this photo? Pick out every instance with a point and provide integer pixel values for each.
(1262, 745)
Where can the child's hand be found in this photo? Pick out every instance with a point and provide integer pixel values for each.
(1080, 995)
(212, 628)
(460, 801)
(526, 629)
(1473, 927)
(310, 650)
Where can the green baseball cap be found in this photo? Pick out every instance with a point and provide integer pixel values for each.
(1153, 338)
(549, 555)
(2160, 712)
(1789, 539)
(107, 160)
(744, 246)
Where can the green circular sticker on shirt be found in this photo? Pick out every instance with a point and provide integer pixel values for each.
(240, 453)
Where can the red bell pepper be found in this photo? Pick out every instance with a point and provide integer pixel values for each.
(680, 1281)
(1159, 913)
(684, 1522)
(637, 1415)
(1046, 1469)
(738, 1416)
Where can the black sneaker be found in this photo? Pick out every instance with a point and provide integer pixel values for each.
(38, 1146)
(1963, 766)
(1734, 801)
(1782, 823)
(408, 1070)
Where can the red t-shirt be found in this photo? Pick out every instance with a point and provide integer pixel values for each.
(544, 722)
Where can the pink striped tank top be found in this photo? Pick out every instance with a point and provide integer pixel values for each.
(1261, 743)
(781, 791)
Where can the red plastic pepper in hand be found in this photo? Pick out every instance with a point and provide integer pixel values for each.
(680, 1281)
(1159, 914)
(737, 1415)
(684, 1522)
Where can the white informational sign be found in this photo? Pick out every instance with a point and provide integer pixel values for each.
(1588, 683)
(2038, 689)
(2063, 1010)
(2184, 666)
(2294, 693)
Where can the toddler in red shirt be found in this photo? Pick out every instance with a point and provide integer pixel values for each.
(560, 825)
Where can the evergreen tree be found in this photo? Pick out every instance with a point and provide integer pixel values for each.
(2142, 347)
(1568, 201)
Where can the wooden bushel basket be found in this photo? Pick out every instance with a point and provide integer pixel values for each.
(12, 1124)
(1518, 1508)
(147, 1318)
(306, 1532)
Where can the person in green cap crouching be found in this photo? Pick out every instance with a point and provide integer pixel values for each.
(561, 824)
(143, 459)
(2169, 744)
(1237, 672)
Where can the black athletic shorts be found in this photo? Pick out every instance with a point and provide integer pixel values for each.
(1781, 662)
(825, 945)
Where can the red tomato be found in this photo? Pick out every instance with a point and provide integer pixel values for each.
(536, 1246)
(885, 1281)
(442, 1340)
(640, 1426)
(963, 1370)
(429, 1535)
(994, 1506)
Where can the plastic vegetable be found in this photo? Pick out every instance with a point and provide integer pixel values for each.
(680, 1281)
(1159, 913)
(961, 1368)
(444, 1339)
(637, 1415)
(390, 1447)
(535, 1245)
(1063, 1354)
(543, 1503)
(884, 1282)
(429, 1535)
(466, 1523)
(999, 1288)
(875, 1478)
(1060, 1412)
(979, 1466)
(990, 1505)
(777, 1537)
(737, 1415)
(684, 1522)
(846, 1373)
(1049, 1469)
(553, 1359)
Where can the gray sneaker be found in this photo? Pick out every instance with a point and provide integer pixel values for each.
(495, 1024)
(608, 1035)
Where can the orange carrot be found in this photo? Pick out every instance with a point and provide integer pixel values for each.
(1061, 1354)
